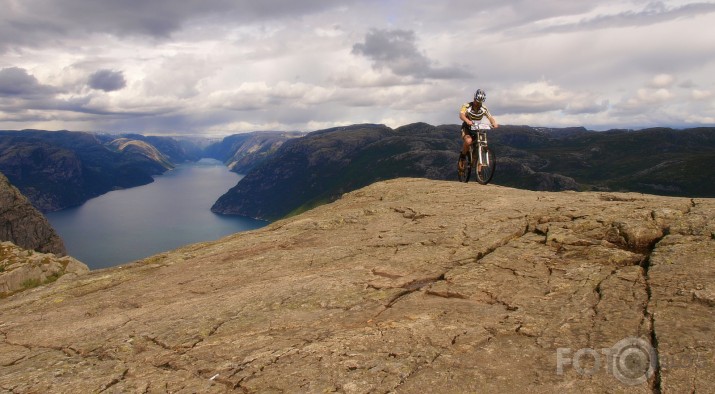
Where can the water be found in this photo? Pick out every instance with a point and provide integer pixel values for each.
(126, 225)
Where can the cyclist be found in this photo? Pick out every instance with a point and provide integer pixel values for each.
(470, 113)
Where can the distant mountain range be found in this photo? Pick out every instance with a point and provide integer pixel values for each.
(290, 172)
(242, 152)
(61, 169)
(318, 168)
(655, 161)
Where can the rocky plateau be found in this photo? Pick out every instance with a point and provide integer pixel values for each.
(405, 286)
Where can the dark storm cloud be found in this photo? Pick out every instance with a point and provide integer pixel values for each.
(397, 50)
(38, 23)
(107, 80)
(394, 49)
(17, 82)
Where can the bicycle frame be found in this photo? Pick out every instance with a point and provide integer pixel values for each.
(481, 142)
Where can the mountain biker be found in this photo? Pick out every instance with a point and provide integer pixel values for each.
(470, 113)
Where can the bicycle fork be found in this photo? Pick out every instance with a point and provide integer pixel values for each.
(483, 156)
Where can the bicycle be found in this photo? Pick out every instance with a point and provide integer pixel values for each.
(481, 155)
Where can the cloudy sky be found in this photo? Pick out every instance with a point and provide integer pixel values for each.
(218, 67)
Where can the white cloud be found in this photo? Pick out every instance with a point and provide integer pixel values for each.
(260, 95)
(545, 96)
(662, 81)
(645, 100)
(698, 94)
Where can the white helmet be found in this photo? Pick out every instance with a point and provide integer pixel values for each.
(480, 96)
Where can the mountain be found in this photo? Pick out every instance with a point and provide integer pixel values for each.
(23, 225)
(60, 169)
(407, 286)
(318, 168)
(657, 161)
(175, 149)
(289, 172)
(309, 171)
(140, 149)
(243, 152)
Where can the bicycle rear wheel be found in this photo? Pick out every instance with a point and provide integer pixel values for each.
(485, 174)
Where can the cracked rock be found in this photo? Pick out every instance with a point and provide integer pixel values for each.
(403, 286)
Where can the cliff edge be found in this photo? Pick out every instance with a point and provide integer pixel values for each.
(31, 252)
(408, 285)
(23, 225)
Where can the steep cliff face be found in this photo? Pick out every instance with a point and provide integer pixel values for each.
(31, 253)
(407, 285)
(23, 225)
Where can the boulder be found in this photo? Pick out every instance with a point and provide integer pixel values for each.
(22, 269)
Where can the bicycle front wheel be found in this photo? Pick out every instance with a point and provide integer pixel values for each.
(485, 172)
(465, 174)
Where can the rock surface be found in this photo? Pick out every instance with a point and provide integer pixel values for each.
(22, 269)
(407, 285)
(23, 225)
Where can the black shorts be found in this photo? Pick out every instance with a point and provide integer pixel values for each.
(466, 130)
